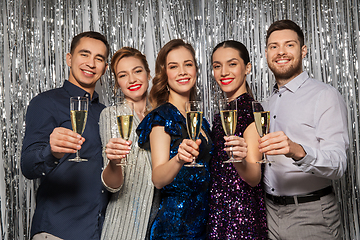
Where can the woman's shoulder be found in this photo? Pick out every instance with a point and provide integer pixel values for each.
(107, 110)
(166, 115)
(245, 99)
(164, 112)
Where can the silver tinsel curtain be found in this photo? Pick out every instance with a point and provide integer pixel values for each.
(36, 35)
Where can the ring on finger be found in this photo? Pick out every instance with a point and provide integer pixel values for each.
(231, 149)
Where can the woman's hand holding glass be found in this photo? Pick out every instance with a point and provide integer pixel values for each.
(117, 149)
(188, 150)
(237, 146)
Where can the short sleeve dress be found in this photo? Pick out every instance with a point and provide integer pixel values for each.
(183, 209)
(237, 210)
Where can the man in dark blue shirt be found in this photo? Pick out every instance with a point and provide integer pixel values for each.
(70, 201)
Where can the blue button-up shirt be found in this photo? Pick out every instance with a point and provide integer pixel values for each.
(71, 200)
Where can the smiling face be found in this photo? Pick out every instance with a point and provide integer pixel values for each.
(87, 63)
(181, 71)
(230, 71)
(284, 55)
(132, 78)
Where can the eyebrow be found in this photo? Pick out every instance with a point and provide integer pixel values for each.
(189, 60)
(131, 69)
(138, 67)
(285, 42)
(230, 60)
(89, 52)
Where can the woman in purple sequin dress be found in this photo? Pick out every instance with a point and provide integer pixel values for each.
(237, 206)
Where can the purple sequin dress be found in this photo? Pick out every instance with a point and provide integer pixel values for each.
(237, 210)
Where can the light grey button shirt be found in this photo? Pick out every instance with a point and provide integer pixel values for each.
(314, 115)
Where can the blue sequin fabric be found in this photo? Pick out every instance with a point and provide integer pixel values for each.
(184, 205)
(237, 210)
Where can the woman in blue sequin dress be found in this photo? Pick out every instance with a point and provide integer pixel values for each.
(184, 191)
(237, 207)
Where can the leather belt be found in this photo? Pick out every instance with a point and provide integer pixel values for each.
(311, 197)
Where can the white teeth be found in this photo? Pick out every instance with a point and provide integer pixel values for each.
(87, 72)
(183, 80)
(282, 61)
(133, 87)
(226, 81)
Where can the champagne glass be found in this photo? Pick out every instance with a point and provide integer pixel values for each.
(78, 115)
(228, 114)
(194, 116)
(262, 123)
(124, 118)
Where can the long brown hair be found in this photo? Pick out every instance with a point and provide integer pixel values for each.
(127, 52)
(159, 93)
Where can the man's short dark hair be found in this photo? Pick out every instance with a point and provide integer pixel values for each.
(89, 34)
(283, 25)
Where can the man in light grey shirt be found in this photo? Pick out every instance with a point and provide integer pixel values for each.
(307, 144)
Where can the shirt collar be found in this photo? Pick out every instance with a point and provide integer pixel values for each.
(294, 84)
(74, 90)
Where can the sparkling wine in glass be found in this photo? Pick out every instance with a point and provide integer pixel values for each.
(78, 115)
(228, 115)
(124, 118)
(194, 116)
(262, 123)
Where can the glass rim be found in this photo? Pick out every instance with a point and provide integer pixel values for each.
(79, 98)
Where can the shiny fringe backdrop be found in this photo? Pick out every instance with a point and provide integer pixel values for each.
(36, 35)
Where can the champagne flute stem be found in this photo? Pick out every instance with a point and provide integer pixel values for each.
(266, 159)
(232, 155)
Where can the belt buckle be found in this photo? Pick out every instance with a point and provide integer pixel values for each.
(281, 200)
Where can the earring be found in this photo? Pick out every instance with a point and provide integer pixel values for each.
(167, 88)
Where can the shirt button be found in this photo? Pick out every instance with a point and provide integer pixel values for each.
(269, 164)
(86, 95)
(102, 191)
(274, 116)
(56, 162)
(280, 95)
(272, 189)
